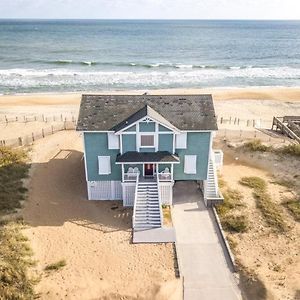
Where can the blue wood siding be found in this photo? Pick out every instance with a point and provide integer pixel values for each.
(163, 128)
(128, 142)
(198, 143)
(161, 167)
(150, 149)
(165, 142)
(147, 127)
(130, 129)
(96, 144)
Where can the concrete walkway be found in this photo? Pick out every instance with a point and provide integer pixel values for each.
(203, 262)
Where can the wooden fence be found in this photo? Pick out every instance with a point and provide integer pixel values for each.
(36, 118)
(30, 138)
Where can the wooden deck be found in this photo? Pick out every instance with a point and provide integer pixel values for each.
(288, 125)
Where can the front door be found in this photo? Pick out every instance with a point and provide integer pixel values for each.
(149, 169)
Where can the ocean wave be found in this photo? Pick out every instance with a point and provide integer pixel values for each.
(159, 65)
(31, 78)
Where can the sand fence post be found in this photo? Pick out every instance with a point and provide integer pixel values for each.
(43, 117)
(52, 129)
(32, 135)
(16, 119)
(6, 120)
(43, 133)
(221, 120)
(20, 142)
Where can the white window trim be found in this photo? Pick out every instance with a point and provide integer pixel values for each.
(108, 162)
(190, 164)
(113, 141)
(181, 141)
(148, 134)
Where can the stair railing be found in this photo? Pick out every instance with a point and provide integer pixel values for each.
(135, 200)
(215, 177)
(159, 201)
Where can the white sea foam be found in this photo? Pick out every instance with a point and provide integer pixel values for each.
(30, 78)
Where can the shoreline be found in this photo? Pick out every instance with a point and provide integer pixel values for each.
(291, 94)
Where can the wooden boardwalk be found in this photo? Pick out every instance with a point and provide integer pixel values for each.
(288, 125)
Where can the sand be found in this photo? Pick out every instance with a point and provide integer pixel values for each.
(274, 258)
(93, 238)
(278, 94)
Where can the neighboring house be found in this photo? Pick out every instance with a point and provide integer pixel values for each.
(137, 146)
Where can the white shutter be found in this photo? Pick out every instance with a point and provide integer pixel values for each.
(113, 141)
(104, 165)
(181, 140)
(190, 164)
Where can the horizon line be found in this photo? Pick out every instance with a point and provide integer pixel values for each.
(141, 19)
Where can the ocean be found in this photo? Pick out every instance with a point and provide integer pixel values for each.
(94, 55)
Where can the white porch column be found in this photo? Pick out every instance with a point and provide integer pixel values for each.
(172, 167)
(122, 165)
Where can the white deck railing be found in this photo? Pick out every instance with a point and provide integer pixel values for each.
(131, 176)
(162, 176)
(159, 201)
(135, 198)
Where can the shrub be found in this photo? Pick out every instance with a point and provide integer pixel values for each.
(235, 223)
(254, 182)
(292, 149)
(56, 266)
(256, 145)
(294, 207)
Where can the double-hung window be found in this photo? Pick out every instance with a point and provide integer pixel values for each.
(147, 140)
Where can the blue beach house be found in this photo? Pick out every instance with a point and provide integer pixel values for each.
(136, 147)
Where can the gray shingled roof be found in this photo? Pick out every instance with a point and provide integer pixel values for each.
(111, 112)
(159, 156)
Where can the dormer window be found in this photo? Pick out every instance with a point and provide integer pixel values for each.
(147, 140)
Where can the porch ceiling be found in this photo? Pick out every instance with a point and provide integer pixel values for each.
(147, 157)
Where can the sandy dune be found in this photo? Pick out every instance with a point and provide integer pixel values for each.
(93, 238)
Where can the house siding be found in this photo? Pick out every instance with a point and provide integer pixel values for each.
(163, 128)
(96, 144)
(198, 143)
(165, 142)
(150, 149)
(147, 127)
(128, 142)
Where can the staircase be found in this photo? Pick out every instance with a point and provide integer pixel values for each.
(147, 211)
(211, 187)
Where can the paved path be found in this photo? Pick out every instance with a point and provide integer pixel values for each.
(202, 259)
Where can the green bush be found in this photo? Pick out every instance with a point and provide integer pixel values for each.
(256, 145)
(235, 223)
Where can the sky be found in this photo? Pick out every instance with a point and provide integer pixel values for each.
(151, 9)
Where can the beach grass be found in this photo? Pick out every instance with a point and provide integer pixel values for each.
(256, 145)
(56, 266)
(293, 206)
(15, 252)
(15, 261)
(231, 221)
(270, 210)
(13, 169)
